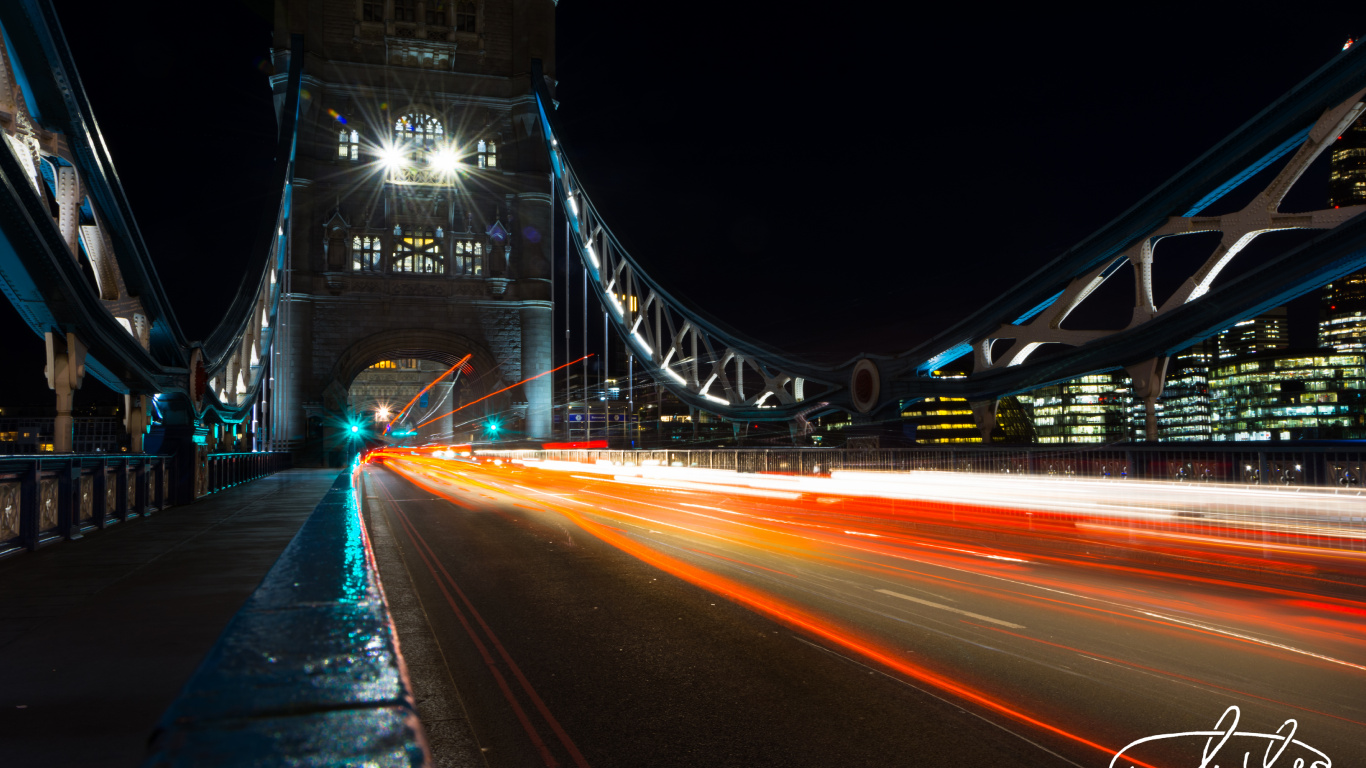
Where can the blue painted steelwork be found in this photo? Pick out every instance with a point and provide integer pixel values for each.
(1248, 172)
(1270, 135)
(684, 350)
(1045, 304)
(47, 286)
(951, 354)
(309, 671)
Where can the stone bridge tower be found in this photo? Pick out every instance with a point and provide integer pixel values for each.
(421, 223)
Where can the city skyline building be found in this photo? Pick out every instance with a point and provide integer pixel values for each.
(1088, 409)
(1289, 396)
(1183, 409)
(1267, 332)
(1343, 325)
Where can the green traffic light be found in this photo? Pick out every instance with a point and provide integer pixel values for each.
(354, 429)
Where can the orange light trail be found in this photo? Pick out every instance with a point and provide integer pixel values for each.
(404, 412)
(756, 600)
(504, 389)
(1210, 594)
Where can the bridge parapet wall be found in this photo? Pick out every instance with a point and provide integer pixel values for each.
(309, 671)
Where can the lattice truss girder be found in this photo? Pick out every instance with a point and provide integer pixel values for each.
(697, 363)
(235, 378)
(56, 178)
(1239, 229)
(49, 161)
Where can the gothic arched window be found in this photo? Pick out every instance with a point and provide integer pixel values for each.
(417, 134)
(365, 254)
(465, 16)
(348, 145)
(417, 251)
(488, 154)
(468, 259)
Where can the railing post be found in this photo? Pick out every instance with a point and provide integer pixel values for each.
(99, 492)
(28, 505)
(121, 510)
(69, 498)
(141, 497)
(154, 485)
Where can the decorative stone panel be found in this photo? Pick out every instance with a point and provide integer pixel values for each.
(87, 497)
(9, 510)
(47, 504)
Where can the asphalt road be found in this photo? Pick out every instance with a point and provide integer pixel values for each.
(590, 621)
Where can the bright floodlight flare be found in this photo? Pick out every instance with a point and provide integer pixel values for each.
(446, 161)
(382, 413)
(390, 156)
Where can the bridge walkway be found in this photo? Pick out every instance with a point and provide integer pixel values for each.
(98, 635)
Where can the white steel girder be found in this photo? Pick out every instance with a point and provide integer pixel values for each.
(1238, 229)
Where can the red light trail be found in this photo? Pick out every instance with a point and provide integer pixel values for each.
(504, 389)
(790, 556)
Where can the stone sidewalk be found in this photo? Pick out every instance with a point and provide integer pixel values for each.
(98, 635)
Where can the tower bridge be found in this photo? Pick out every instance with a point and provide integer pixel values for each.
(419, 174)
(414, 220)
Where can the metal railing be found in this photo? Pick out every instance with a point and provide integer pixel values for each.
(224, 470)
(46, 499)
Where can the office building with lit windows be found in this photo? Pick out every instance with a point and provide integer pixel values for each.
(949, 420)
(1290, 396)
(1266, 332)
(1343, 328)
(1087, 409)
(1183, 410)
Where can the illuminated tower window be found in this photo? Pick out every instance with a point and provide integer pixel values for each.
(416, 135)
(469, 259)
(464, 17)
(488, 154)
(417, 251)
(348, 145)
(365, 254)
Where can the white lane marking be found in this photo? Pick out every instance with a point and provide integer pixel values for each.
(943, 607)
(1258, 640)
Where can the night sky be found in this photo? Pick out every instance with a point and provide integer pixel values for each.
(828, 182)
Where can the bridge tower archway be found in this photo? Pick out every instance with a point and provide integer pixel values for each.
(421, 219)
